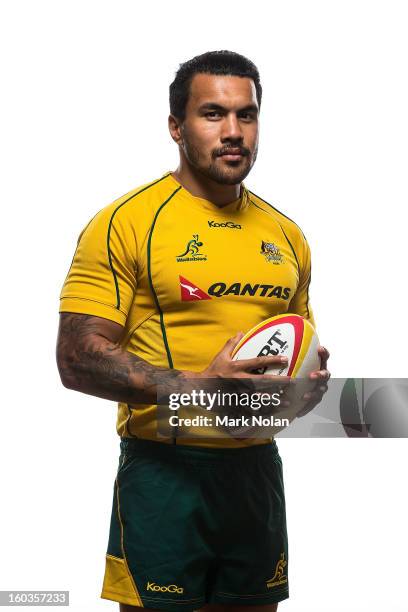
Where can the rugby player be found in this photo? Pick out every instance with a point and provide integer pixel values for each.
(162, 283)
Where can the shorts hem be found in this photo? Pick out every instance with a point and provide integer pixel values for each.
(156, 602)
(119, 597)
(253, 600)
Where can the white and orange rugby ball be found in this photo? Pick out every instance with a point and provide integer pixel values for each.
(286, 335)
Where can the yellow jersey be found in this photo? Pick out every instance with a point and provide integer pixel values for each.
(178, 273)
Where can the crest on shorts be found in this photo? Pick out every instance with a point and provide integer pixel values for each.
(271, 252)
(279, 576)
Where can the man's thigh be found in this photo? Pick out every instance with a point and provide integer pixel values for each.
(211, 608)
(232, 608)
(127, 608)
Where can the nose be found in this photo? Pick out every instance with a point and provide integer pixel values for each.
(231, 128)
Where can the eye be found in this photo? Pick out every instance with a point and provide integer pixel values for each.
(213, 114)
(247, 116)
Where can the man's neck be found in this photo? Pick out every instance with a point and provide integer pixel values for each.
(202, 187)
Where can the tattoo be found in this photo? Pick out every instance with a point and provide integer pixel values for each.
(91, 362)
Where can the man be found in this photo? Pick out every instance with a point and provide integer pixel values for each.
(161, 280)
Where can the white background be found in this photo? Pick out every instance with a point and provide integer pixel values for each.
(84, 120)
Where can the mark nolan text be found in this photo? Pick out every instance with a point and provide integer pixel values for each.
(225, 421)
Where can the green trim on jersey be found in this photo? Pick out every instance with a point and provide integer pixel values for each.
(109, 233)
(149, 271)
(277, 210)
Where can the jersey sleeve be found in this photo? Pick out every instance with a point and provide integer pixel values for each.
(300, 303)
(103, 274)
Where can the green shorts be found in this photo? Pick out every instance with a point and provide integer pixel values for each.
(193, 525)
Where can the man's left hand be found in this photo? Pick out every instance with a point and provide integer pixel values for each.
(321, 377)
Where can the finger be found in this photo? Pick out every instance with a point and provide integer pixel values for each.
(315, 399)
(232, 343)
(308, 408)
(270, 378)
(324, 356)
(320, 375)
(315, 395)
(238, 337)
(261, 362)
(323, 351)
(277, 378)
(266, 381)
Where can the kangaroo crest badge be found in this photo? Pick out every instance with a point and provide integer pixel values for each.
(271, 252)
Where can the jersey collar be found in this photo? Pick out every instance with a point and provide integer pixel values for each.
(237, 206)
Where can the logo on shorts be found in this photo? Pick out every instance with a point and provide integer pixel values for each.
(192, 251)
(279, 577)
(171, 588)
(271, 252)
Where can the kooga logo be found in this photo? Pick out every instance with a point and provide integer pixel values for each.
(229, 224)
(172, 588)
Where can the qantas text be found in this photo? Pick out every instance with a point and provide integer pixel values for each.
(220, 289)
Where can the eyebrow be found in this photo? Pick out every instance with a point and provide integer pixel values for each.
(215, 106)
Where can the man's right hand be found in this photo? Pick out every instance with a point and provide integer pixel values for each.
(223, 366)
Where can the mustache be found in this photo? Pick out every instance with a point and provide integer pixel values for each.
(227, 149)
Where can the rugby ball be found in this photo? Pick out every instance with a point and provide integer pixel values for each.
(286, 335)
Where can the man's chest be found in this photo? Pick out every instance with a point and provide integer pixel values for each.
(196, 256)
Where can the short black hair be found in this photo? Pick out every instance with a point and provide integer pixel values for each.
(226, 63)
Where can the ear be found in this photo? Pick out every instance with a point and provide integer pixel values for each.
(175, 129)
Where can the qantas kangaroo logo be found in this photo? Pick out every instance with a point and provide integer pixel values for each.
(190, 292)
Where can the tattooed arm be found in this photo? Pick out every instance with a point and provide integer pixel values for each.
(90, 359)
